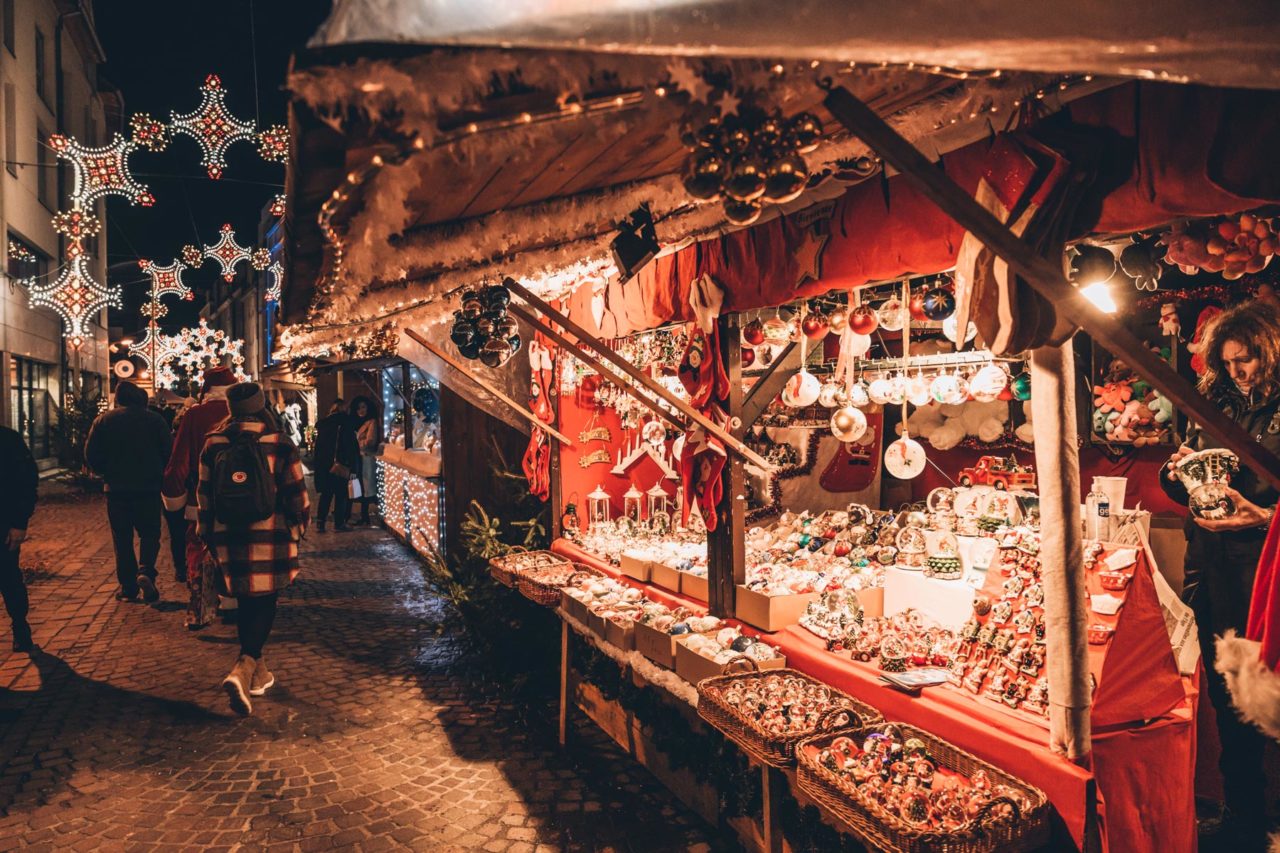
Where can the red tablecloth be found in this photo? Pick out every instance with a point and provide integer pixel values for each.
(1141, 784)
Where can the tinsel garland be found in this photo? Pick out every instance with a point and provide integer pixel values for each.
(775, 482)
(1226, 294)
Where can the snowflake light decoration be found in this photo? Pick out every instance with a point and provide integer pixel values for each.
(275, 290)
(227, 252)
(164, 347)
(260, 259)
(154, 310)
(100, 172)
(277, 208)
(199, 348)
(149, 133)
(192, 256)
(167, 281)
(76, 297)
(76, 224)
(213, 126)
(22, 255)
(273, 143)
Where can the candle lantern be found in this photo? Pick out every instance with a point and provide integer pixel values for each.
(633, 504)
(569, 520)
(659, 503)
(598, 506)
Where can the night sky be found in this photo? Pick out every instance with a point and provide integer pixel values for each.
(158, 54)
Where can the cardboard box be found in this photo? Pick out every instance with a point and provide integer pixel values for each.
(693, 667)
(573, 607)
(664, 576)
(771, 612)
(596, 624)
(635, 567)
(872, 601)
(657, 646)
(620, 634)
(693, 586)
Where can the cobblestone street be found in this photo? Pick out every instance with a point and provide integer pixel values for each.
(115, 735)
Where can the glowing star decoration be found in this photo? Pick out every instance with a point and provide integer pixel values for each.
(153, 310)
(76, 224)
(260, 259)
(149, 133)
(166, 281)
(213, 126)
(277, 208)
(273, 143)
(192, 256)
(20, 254)
(100, 172)
(76, 297)
(227, 252)
(164, 348)
(275, 290)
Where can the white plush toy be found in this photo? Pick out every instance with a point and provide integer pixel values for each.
(944, 427)
(1024, 432)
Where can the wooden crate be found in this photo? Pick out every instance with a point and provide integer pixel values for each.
(664, 576)
(620, 634)
(693, 667)
(771, 612)
(693, 586)
(573, 607)
(657, 646)
(635, 567)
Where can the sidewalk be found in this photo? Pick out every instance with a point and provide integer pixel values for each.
(116, 736)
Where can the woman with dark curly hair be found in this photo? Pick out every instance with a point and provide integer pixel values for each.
(1241, 350)
(365, 421)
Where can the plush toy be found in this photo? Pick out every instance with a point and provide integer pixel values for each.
(1161, 406)
(1197, 339)
(1024, 432)
(944, 427)
(1112, 397)
(1170, 327)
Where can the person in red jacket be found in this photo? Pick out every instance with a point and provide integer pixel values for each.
(178, 491)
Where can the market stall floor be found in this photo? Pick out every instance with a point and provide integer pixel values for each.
(115, 736)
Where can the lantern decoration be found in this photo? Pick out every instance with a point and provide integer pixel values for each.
(569, 525)
(892, 315)
(260, 259)
(598, 506)
(848, 424)
(166, 281)
(278, 207)
(659, 503)
(100, 172)
(938, 304)
(212, 126)
(987, 383)
(273, 144)
(801, 390)
(633, 504)
(227, 252)
(149, 133)
(904, 458)
(76, 297)
(275, 290)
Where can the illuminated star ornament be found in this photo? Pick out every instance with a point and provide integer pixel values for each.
(275, 290)
(76, 297)
(277, 208)
(273, 144)
(199, 348)
(166, 348)
(153, 310)
(213, 126)
(100, 172)
(167, 280)
(227, 252)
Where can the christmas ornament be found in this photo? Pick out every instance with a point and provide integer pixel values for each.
(950, 327)
(948, 389)
(704, 175)
(742, 213)
(167, 281)
(828, 395)
(227, 252)
(805, 131)
(858, 396)
(879, 391)
(777, 331)
(100, 172)
(748, 356)
(918, 390)
(801, 390)
(892, 315)
(76, 297)
(815, 326)
(213, 126)
(753, 333)
(897, 390)
(915, 307)
(938, 304)
(904, 458)
(839, 320)
(273, 144)
(864, 320)
(987, 383)
(1021, 386)
(848, 424)
(746, 178)
(278, 205)
(785, 179)
(859, 345)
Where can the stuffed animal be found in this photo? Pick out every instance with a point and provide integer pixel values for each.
(944, 427)
(1112, 397)
(1161, 406)
(1197, 339)
(1170, 327)
(1024, 432)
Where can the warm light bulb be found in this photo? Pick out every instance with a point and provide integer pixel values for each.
(1099, 295)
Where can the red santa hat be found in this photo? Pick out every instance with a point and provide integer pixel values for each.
(1251, 664)
(217, 376)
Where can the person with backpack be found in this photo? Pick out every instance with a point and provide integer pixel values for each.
(128, 447)
(17, 503)
(337, 455)
(252, 511)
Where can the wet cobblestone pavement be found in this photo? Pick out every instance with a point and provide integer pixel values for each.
(115, 735)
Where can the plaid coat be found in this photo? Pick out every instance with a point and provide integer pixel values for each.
(263, 557)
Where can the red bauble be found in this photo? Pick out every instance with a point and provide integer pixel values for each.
(916, 307)
(753, 333)
(1006, 394)
(842, 548)
(748, 356)
(864, 320)
(815, 326)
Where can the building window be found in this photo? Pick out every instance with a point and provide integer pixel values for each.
(31, 404)
(46, 172)
(8, 27)
(24, 260)
(10, 130)
(41, 83)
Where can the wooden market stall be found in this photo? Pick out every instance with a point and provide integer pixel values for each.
(428, 170)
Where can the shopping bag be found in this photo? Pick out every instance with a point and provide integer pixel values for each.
(354, 489)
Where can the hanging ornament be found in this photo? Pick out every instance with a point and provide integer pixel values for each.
(273, 144)
(839, 320)
(897, 390)
(278, 205)
(948, 389)
(227, 252)
(848, 424)
(801, 390)
(805, 131)
(950, 327)
(859, 345)
(987, 383)
(915, 307)
(148, 133)
(918, 390)
(864, 320)
(654, 433)
(153, 310)
(167, 281)
(100, 172)
(746, 178)
(76, 225)
(275, 284)
(828, 395)
(753, 333)
(815, 326)
(704, 174)
(213, 126)
(260, 259)
(891, 314)
(880, 390)
(857, 394)
(785, 178)
(938, 304)
(904, 458)
(1021, 386)
(777, 331)
(748, 356)
(76, 297)
(742, 213)
(192, 256)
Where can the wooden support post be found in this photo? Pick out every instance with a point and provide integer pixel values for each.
(1048, 280)
(650, 384)
(772, 789)
(726, 545)
(769, 386)
(406, 391)
(564, 681)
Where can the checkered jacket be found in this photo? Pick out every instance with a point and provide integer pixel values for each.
(263, 557)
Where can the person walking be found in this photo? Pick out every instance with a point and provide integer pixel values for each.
(336, 455)
(128, 447)
(1242, 356)
(17, 503)
(253, 509)
(179, 494)
(364, 418)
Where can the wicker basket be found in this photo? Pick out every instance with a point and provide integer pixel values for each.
(771, 748)
(542, 586)
(836, 795)
(509, 566)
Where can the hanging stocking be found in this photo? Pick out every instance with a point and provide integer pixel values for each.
(701, 462)
(855, 465)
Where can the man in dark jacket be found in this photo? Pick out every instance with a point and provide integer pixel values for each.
(337, 454)
(17, 503)
(128, 447)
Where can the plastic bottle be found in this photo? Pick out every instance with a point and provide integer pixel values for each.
(1097, 524)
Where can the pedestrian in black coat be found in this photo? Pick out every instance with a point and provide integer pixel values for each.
(128, 447)
(17, 503)
(337, 455)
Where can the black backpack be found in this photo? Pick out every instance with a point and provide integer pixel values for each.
(244, 490)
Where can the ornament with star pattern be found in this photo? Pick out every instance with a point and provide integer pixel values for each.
(273, 144)
(149, 133)
(167, 280)
(212, 126)
(76, 297)
(227, 252)
(277, 207)
(100, 172)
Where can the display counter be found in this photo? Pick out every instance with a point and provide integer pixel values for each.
(412, 502)
(1147, 802)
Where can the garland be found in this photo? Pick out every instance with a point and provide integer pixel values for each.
(1248, 287)
(774, 506)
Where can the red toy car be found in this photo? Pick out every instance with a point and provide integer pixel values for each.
(999, 472)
